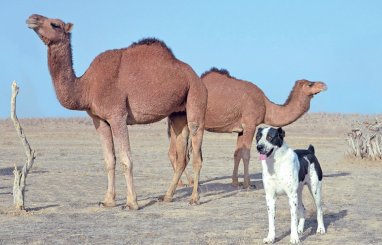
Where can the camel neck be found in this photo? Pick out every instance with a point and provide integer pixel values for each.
(70, 90)
(281, 115)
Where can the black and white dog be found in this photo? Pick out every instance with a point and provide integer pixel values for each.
(287, 171)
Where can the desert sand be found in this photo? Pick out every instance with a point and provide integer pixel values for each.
(68, 180)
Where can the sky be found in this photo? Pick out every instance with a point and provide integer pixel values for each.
(270, 43)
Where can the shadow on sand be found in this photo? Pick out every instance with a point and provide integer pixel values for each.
(36, 209)
(311, 224)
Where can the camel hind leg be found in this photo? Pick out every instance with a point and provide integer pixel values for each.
(196, 109)
(243, 151)
(172, 149)
(178, 148)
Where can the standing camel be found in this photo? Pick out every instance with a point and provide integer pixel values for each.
(237, 106)
(141, 84)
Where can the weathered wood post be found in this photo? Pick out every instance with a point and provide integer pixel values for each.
(20, 175)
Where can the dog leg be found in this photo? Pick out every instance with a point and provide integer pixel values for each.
(271, 204)
(301, 210)
(315, 190)
(293, 201)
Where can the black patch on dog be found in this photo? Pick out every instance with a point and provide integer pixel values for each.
(276, 136)
(259, 134)
(304, 164)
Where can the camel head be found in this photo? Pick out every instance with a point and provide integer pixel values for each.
(50, 31)
(309, 88)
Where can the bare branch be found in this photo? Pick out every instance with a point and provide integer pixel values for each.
(20, 176)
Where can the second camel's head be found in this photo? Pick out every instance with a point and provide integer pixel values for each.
(309, 88)
(51, 31)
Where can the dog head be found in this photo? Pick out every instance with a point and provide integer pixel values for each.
(269, 139)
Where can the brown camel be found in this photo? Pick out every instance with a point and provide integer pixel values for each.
(239, 106)
(141, 84)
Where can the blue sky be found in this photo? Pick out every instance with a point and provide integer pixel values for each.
(270, 43)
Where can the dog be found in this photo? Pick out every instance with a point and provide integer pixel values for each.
(287, 171)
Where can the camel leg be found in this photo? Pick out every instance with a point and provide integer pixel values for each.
(237, 158)
(173, 156)
(246, 155)
(121, 137)
(180, 141)
(196, 139)
(104, 131)
(243, 151)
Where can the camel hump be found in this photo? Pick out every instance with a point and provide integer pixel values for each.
(152, 41)
(216, 70)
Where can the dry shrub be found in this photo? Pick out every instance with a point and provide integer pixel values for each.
(365, 140)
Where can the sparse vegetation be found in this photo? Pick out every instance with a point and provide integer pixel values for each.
(365, 140)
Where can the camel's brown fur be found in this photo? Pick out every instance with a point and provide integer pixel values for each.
(239, 106)
(141, 84)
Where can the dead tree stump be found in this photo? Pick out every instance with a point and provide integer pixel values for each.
(20, 175)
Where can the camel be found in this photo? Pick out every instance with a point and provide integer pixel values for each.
(238, 106)
(140, 84)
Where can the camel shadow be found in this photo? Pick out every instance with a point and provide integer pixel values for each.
(311, 224)
(210, 188)
(36, 209)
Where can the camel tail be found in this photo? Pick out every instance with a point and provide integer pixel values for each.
(168, 128)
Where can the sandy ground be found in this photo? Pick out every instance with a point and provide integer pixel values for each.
(68, 180)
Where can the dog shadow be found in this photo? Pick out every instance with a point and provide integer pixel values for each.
(311, 224)
(336, 175)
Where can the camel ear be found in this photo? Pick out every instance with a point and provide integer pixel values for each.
(68, 27)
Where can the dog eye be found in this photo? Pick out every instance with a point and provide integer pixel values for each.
(55, 26)
(269, 138)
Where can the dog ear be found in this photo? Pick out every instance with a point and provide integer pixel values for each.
(281, 132)
(259, 130)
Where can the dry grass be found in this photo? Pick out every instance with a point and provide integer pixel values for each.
(68, 180)
(365, 140)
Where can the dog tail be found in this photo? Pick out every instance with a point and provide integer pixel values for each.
(311, 149)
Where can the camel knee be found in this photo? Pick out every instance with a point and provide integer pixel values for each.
(246, 155)
(109, 162)
(126, 165)
(193, 126)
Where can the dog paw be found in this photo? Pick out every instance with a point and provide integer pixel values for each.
(320, 230)
(268, 240)
(294, 240)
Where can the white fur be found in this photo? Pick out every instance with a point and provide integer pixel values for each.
(280, 175)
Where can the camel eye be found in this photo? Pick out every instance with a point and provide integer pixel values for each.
(310, 84)
(55, 26)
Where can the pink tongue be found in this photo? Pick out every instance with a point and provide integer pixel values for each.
(262, 157)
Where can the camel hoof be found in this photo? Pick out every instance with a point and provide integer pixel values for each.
(235, 183)
(181, 184)
(165, 199)
(194, 201)
(132, 206)
(248, 187)
(107, 204)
